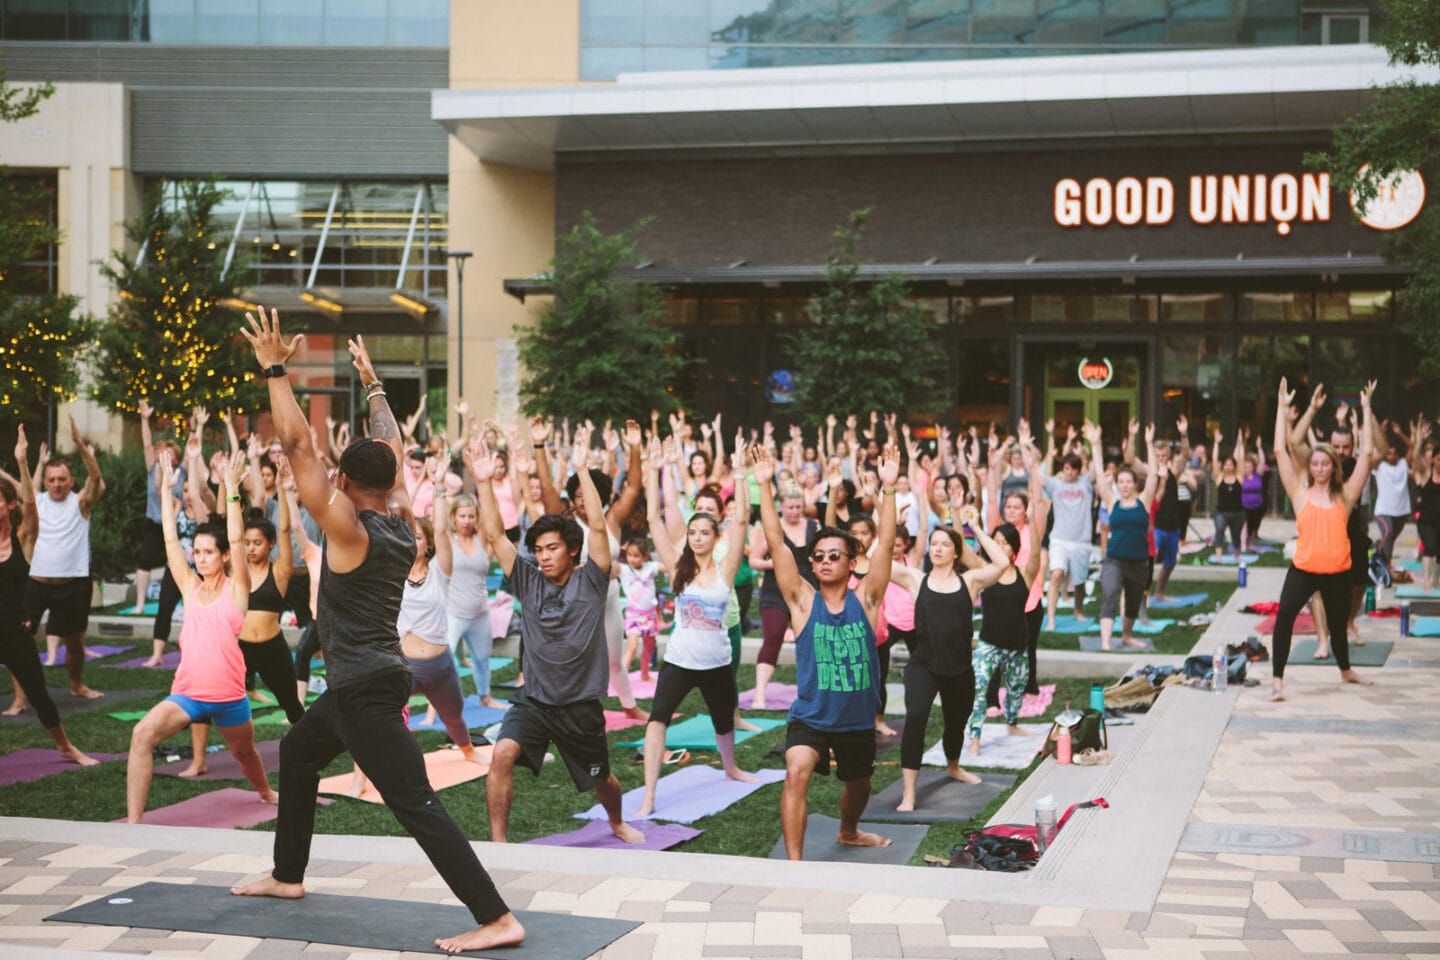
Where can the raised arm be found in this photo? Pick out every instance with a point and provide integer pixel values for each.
(444, 550)
(739, 515)
(1152, 476)
(782, 562)
(185, 578)
(1299, 434)
(1097, 472)
(195, 490)
(25, 490)
(285, 551)
(594, 509)
(1039, 513)
(1284, 461)
(665, 540)
(630, 492)
(878, 578)
(1364, 449)
(995, 560)
(539, 437)
(1216, 470)
(94, 482)
(147, 440)
(234, 531)
(481, 463)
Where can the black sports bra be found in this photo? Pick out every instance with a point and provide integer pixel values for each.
(267, 596)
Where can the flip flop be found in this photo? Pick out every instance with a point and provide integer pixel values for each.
(676, 756)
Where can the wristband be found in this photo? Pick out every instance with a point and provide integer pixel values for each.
(232, 499)
(888, 490)
(373, 394)
(274, 370)
(538, 446)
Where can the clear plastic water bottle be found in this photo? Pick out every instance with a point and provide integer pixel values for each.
(1046, 823)
(1220, 668)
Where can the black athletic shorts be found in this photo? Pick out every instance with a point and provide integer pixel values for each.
(68, 603)
(854, 749)
(152, 549)
(576, 729)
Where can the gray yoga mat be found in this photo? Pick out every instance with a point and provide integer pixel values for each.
(68, 705)
(938, 799)
(1373, 654)
(332, 919)
(820, 842)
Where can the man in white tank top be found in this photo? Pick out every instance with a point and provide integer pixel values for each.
(60, 570)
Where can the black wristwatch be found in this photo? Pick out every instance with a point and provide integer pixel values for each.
(274, 370)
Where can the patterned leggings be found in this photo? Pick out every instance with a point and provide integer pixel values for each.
(986, 660)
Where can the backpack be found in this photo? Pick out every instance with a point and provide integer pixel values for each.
(1380, 573)
(1008, 847)
(1088, 733)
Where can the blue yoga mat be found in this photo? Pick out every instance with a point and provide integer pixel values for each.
(1228, 560)
(698, 733)
(1425, 626)
(1176, 600)
(476, 717)
(1068, 624)
(1415, 591)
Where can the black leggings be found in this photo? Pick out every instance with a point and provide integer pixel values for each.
(365, 719)
(1300, 586)
(717, 686)
(1253, 516)
(774, 621)
(169, 600)
(17, 651)
(305, 652)
(271, 659)
(957, 696)
(882, 650)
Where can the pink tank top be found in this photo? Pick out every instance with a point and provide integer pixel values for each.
(212, 667)
(1027, 543)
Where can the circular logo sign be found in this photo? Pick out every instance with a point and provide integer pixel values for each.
(1398, 202)
(1096, 374)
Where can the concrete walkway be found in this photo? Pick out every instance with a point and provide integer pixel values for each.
(1238, 828)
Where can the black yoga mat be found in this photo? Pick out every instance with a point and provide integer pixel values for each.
(67, 705)
(820, 842)
(938, 799)
(331, 919)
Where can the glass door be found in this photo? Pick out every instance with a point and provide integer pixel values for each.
(404, 386)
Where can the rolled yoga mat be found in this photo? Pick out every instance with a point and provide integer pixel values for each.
(821, 845)
(938, 799)
(328, 918)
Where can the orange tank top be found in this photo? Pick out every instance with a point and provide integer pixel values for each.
(1322, 545)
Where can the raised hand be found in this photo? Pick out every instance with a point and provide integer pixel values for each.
(1149, 434)
(1287, 396)
(1182, 425)
(462, 407)
(199, 417)
(889, 468)
(75, 433)
(580, 448)
(1342, 413)
(762, 468)
(1367, 395)
(264, 336)
(1317, 398)
(22, 446)
(236, 468)
(480, 460)
(657, 453)
(1134, 426)
(143, 408)
(192, 447)
(539, 430)
(632, 433)
(167, 470)
(737, 460)
(1050, 426)
(360, 359)
(830, 420)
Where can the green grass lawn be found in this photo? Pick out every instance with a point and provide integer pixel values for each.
(1179, 637)
(543, 805)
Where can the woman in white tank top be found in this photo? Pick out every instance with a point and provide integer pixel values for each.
(468, 607)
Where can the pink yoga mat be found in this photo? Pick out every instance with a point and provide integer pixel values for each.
(502, 607)
(778, 696)
(598, 835)
(617, 720)
(98, 649)
(222, 766)
(230, 808)
(642, 689)
(32, 763)
(170, 661)
(443, 767)
(1032, 706)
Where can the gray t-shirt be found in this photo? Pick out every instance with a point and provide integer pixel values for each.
(1070, 502)
(152, 495)
(563, 629)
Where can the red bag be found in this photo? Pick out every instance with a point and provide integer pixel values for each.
(1027, 831)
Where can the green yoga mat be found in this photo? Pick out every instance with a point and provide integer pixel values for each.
(1373, 654)
(698, 733)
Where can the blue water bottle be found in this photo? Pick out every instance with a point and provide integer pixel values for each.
(1097, 697)
(1243, 571)
(1405, 619)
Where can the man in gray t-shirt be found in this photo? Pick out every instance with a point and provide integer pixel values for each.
(1071, 493)
(562, 626)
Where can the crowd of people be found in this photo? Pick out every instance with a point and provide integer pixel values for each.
(863, 541)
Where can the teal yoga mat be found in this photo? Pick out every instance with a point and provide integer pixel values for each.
(1373, 654)
(1067, 623)
(1415, 591)
(1425, 627)
(698, 733)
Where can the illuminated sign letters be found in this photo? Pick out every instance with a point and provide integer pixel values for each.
(1096, 374)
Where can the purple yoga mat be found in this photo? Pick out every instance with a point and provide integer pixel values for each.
(778, 696)
(32, 763)
(231, 807)
(597, 835)
(688, 794)
(99, 649)
(222, 765)
(170, 661)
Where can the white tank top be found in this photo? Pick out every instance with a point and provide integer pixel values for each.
(62, 548)
(422, 609)
(699, 640)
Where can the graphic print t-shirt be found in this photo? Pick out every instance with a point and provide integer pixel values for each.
(837, 669)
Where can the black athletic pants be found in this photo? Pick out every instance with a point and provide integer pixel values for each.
(17, 651)
(271, 659)
(957, 696)
(1300, 586)
(169, 600)
(365, 718)
(305, 652)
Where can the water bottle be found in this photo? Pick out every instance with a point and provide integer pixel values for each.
(1243, 572)
(1221, 668)
(1097, 698)
(1046, 823)
(1063, 749)
(1369, 599)
(1405, 619)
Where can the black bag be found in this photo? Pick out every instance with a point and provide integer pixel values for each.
(1088, 733)
(1203, 668)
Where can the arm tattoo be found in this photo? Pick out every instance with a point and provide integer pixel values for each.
(382, 421)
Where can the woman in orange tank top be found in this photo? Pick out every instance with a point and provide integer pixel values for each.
(1322, 547)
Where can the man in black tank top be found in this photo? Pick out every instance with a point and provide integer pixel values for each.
(368, 553)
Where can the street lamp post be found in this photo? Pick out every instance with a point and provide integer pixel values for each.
(459, 256)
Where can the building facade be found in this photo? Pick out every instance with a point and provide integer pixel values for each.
(1104, 208)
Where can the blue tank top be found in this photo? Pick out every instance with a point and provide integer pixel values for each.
(1129, 532)
(837, 669)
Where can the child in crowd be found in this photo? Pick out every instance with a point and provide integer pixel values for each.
(642, 606)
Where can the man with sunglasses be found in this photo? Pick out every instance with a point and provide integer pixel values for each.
(837, 666)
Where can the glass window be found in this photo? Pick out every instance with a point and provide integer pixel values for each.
(292, 21)
(741, 21)
(980, 311)
(99, 19)
(937, 21)
(1201, 22)
(872, 21)
(981, 368)
(391, 348)
(1195, 307)
(814, 56)
(729, 311)
(227, 21)
(1356, 305)
(1193, 368)
(355, 22)
(1091, 308)
(806, 21)
(1344, 364)
(779, 311)
(1068, 21)
(1003, 21)
(676, 58)
(615, 22)
(1274, 22)
(419, 23)
(676, 23)
(170, 21)
(1135, 21)
(933, 309)
(607, 63)
(1277, 307)
(34, 20)
(680, 311)
(1261, 362)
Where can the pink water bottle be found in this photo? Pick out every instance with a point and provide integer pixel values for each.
(1062, 746)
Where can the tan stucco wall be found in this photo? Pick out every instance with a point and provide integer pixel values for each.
(504, 215)
(81, 134)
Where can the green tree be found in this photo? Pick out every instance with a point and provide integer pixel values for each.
(171, 339)
(868, 347)
(1397, 132)
(598, 350)
(42, 337)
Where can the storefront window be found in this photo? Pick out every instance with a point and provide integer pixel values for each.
(390, 348)
(730, 311)
(1277, 307)
(980, 373)
(1119, 308)
(984, 311)
(1068, 21)
(1192, 373)
(1261, 362)
(1344, 364)
(933, 309)
(1195, 307)
(680, 311)
(1356, 305)
(780, 311)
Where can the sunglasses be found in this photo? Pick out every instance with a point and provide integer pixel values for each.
(820, 556)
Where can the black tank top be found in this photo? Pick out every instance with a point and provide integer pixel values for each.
(770, 597)
(1227, 496)
(1430, 504)
(1002, 619)
(267, 596)
(944, 630)
(13, 574)
(357, 611)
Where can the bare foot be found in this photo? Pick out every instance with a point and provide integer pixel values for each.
(1136, 644)
(1081, 618)
(138, 611)
(1322, 653)
(1050, 624)
(152, 662)
(472, 755)
(73, 753)
(1355, 637)
(635, 713)
(884, 729)
(735, 773)
(270, 887)
(505, 932)
(647, 807)
(1277, 692)
(84, 692)
(758, 704)
(270, 796)
(974, 747)
(859, 838)
(627, 833)
(906, 805)
(49, 660)
(958, 772)
(260, 696)
(492, 703)
(1105, 645)
(1018, 731)
(1350, 676)
(197, 768)
(15, 709)
(743, 724)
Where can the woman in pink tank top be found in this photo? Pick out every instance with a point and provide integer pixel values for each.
(209, 686)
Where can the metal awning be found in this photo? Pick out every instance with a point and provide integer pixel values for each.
(957, 274)
(333, 302)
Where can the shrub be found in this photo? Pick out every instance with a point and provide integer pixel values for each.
(117, 522)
